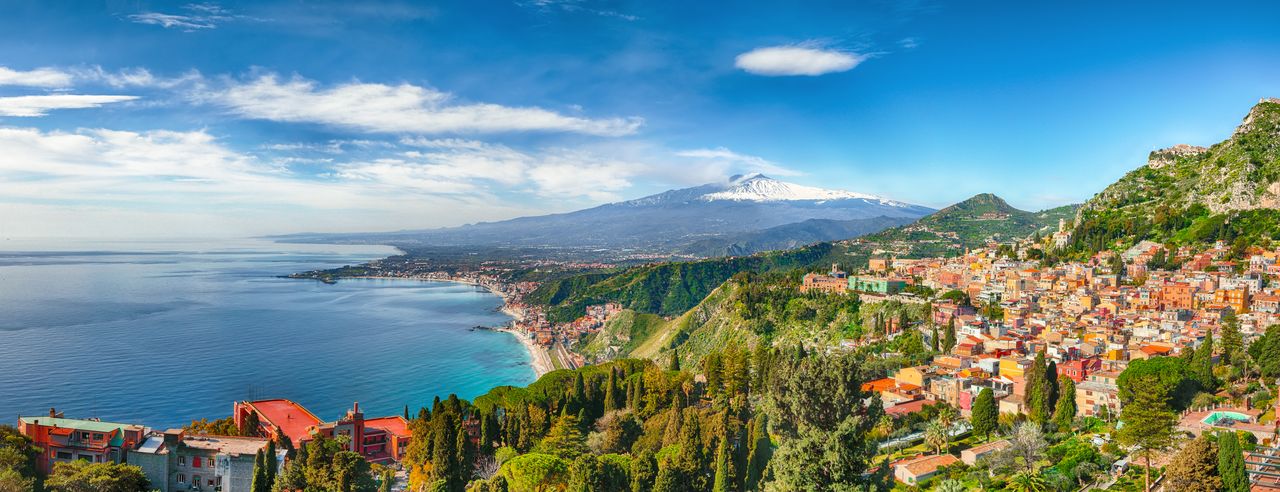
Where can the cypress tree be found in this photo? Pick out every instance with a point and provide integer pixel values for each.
(269, 460)
(722, 478)
(949, 337)
(644, 472)
(1064, 412)
(1202, 364)
(1037, 393)
(934, 343)
(259, 483)
(985, 416)
(1232, 343)
(1051, 383)
(1231, 463)
(759, 452)
(610, 392)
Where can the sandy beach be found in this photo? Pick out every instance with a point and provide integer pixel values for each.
(540, 357)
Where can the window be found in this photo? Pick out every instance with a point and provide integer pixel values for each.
(195, 480)
(182, 461)
(182, 478)
(97, 437)
(84, 435)
(63, 455)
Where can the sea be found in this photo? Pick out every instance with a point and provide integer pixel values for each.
(159, 333)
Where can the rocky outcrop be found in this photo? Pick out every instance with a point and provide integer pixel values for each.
(1163, 157)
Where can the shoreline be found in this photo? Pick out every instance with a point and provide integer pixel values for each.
(539, 356)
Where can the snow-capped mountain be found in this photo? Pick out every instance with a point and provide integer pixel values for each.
(761, 188)
(683, 220)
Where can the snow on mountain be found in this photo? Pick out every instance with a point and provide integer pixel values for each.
(761, 188)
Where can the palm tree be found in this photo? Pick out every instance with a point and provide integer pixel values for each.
(1028, 481)
(936, 435)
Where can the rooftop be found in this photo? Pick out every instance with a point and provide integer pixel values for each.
(290, 417)
(394, 425)
(79, 424)
(928, 464)
(226, 444)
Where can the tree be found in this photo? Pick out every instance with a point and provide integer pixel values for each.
(644, 471)
(759, 451)
(934, 343)
(260, 481)
(611, 392)
(1232, 342)
(1148, 422)
(1037, 391)
(723, 480)
(985, 415)
(1027, 445)
(1194, 469)
(1065, 412)
(949, 336)
(935, 435)
(1202, 363)
(675, 359)
(950, 486)
(83, 476)
(1231, 463)
(1028, 481)
(1051, 386)
(250, 425)
(565, 439)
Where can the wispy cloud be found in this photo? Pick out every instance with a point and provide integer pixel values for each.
(738, 163)
(40, 77)
(133, 77)
(809, 59)
(574, 6)
(403, 108)
(196, 16)
(31, 106)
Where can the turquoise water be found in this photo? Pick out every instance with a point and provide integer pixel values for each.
(1216, 417)
(162, 333)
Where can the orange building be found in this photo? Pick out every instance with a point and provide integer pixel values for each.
(64, 440)
(379, 439)
(1236, 299)
(1178, 295)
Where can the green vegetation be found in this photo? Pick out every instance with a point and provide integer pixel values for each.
(83, 476)
(17, 460)
(1228, 192)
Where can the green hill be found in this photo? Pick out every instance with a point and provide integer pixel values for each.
(1194, 195)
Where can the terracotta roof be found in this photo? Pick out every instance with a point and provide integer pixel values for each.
(879, 385)
(989, 447)
(393, 425)
(928, 464)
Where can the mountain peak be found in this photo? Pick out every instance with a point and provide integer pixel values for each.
(757, 187)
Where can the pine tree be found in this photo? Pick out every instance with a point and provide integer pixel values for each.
(1231, 463)
(1195, 468)
(1065, 411)
(1148, 422)
(985, 415)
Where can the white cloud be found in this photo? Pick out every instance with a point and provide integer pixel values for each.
(40, 77)
(134, 77)
(797, 60)
(40, 105)
(199, 16)
(403, 108)
(735, 163)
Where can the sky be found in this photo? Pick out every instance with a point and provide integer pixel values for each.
(176, 119)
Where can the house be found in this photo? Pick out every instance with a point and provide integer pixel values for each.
(923, 468)
(62, 439)
(972, 455)
(379, 440)
(174, 460)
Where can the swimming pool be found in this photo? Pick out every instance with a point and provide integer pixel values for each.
(1217, 417)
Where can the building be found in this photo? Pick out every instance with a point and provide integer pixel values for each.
(379, 439)
(833, 282)
(276, 417)
(878, 285)
(972, 455)
(1098, 391)
(62, 439)
(174, 461)
(923, 468)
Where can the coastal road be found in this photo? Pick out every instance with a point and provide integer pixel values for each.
(562, 357)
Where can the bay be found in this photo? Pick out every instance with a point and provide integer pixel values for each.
(162, 332)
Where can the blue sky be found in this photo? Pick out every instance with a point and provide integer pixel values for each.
(135, 118)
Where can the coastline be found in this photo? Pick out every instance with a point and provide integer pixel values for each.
(539, 356)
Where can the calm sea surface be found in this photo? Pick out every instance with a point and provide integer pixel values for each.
(160, 333)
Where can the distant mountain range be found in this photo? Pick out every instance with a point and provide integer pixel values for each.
(743, 215)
